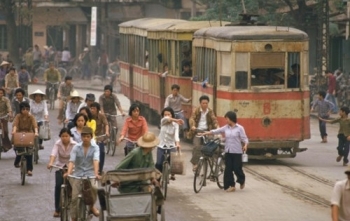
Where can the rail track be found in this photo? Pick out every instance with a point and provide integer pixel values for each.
(294, 191)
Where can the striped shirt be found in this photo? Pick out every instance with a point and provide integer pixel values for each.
(324, 107)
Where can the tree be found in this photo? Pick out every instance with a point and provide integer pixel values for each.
(8, 8)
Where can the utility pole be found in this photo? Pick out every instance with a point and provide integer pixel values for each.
(323, 36)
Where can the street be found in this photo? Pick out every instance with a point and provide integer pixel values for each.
(289, 189)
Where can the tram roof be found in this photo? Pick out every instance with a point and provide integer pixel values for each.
(251, 33)
(187, 26)
(146, 23)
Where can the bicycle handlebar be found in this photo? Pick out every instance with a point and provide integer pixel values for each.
(61, 168)
(82, 178)
(127, 139)
(113, 115)
(3, 117)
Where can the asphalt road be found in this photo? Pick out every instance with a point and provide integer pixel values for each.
(271, 191)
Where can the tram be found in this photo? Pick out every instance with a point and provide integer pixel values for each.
(261, 72)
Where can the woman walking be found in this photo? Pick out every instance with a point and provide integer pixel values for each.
(235, 136)
(39, 110)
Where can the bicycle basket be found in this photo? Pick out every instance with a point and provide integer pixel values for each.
(209, 148)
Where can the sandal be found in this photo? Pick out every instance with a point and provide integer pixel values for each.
(56, 214)
(95, 211)
(172, 177)
(17, 165)
(29, 173)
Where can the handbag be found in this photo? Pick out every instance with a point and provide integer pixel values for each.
(44, 131)
(177, 163)
(88, 192)
(23, 139)
(209, 148)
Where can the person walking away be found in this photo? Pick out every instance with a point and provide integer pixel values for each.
(19, 98)
(66, 56)
(235, 135)
(39, 110)
(114, 71)
(109, 103)
(86, 61)
(5, 109)
(51, 76)
(135, 126)
(168, 136)
(140, 157)
(84, 158)
(28, 60)
(64, 91)
(332, 84)
(60, 155)
(24, 78)
(25, 122)
(89, 99)
(324, 110)
(344, 132)
(101, 129)
(72, 107)
(79, 122)
(11, 82)
(202, 119)
(340, 199)
(102, 62)
(36, 58)
(3, 71)
(174, 100)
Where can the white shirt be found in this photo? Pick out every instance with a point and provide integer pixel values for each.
(202, 124)
(65, 56)
(38, 110)
(341, 198)
(81, 106)
(169, 134)
(72, 109)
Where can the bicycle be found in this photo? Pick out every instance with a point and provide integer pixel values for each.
(36, 150)
(75, 71)
(111, 145)
(64, 100)
(216, 165)
(52, 94)
(65, 195)
(166, 172)
(83, 210)
(23, 151)
(1, 133)
(129, 146)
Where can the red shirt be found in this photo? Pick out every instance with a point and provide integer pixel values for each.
(331, 84)
(134, 129)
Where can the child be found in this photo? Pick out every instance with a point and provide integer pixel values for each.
(324, 110)
(343, 134)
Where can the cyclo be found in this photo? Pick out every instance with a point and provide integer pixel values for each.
(136, 201)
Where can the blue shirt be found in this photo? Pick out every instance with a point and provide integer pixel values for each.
(84, 165)
(234, 137)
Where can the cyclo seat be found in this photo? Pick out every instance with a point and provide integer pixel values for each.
(126, 175)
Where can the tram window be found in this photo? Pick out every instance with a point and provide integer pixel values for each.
(294, 72)
(241, 80)
(185, 57)
(225, 80)
(268, 76)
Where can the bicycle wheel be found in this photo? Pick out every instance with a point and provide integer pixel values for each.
(63, 72)
(113, 143)
(165, 178)
(36, 150)
(200, 175)
(219, 173)
(162, 213)
(81, 213)
(23, 170)
(64, 203)
(39, 73)
(75, 73)
(52, 98)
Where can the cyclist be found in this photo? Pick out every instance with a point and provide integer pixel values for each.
(90, 121)
(84, 158)
(79, 122)
(174, 100)
(101, 128)
(64, 91)
(61, 151)
(5, 109)
(89, 99)
(72, 107)
(39, 110)
(51, 76)
(140, 157)
(135, 126)
(108, 102)
(4, 66)
(24, 78)
(19, 97)
(25, 122)
(168, 136)
(11, 82)
(204, 119)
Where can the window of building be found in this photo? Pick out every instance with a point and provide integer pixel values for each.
(3, 37)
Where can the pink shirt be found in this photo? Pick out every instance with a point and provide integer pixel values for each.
(61, 153)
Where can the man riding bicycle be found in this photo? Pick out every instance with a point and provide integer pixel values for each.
(64, 91)
(5, 109)
(108, 102)
(174, 100)
(51, 76)
(11, 82)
